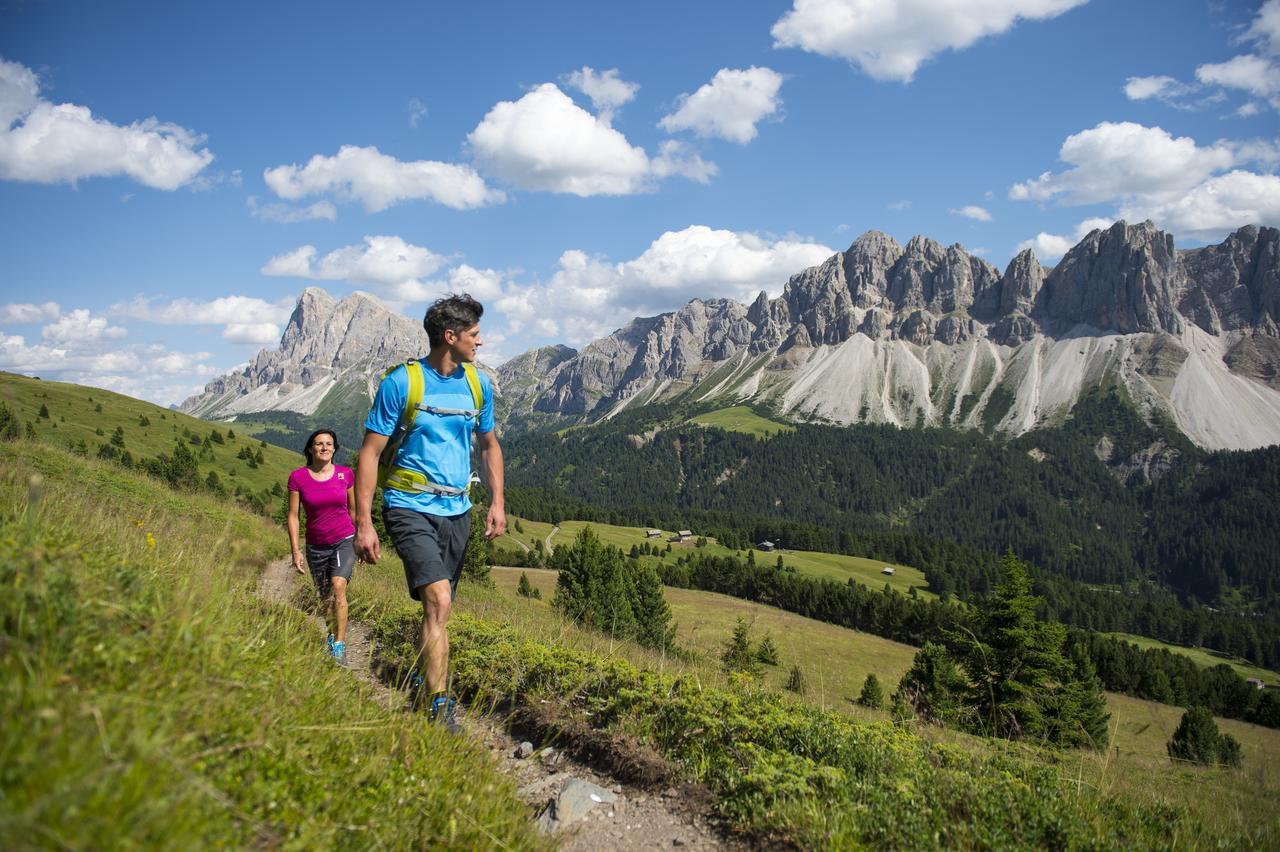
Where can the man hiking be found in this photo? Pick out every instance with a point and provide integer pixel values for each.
(420, 427)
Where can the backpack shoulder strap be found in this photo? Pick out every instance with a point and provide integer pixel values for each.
(473, 381)
(417, 388)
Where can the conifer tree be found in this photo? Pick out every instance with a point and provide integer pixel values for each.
(652, 613)
(475, 562)
(872, 693)
(526, 589)
(737, 655)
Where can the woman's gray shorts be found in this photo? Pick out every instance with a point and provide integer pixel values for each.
(431, 547)
(327, 561)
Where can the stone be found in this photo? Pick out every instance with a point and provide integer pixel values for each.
(576, 800)
(524, 750)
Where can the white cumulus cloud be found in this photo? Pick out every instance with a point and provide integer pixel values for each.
(545, 141)
(1115, 160)
(606, 90)
(730, 106)
(589, 296)
(388, 263)
(1159, 87)
(891, 39)
(378, 181)
(1257, 75)
(1050, 247)
(1180, 185)
(971, 211)
(27, 314)
(43, 142)
(244, 319)
(1217, 206)
(79, 328)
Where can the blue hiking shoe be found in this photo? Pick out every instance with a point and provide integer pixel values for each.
(444, 712)
(340, 653)
(417, 689)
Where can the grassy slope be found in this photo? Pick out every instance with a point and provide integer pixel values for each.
(72, 417)
(831, 566)
(837, 660)
(152, 699)
(740, 418)
(1204, 657)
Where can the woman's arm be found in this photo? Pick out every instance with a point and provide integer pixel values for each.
(293, 532)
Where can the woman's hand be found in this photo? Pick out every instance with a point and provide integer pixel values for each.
(297, 562)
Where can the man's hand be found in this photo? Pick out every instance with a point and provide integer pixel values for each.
(495, 523)
(368, 548)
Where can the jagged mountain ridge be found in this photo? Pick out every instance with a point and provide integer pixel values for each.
(329, 348)
(929, 335)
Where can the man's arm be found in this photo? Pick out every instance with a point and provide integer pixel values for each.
(491, 471)
(367, 545)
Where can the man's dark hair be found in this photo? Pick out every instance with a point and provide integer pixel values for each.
(306, 448)
(456, 312)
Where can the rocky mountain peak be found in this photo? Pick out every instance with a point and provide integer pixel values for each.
(1126, 279)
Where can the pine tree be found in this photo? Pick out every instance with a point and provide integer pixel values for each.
(872, 693)
(44, 411)
(652, 613)
(1197, 739)
(767, 651)
(737, 655)
(933, 687)
(796, 681)
(475, 561)
(1021, 683)
(526, 589)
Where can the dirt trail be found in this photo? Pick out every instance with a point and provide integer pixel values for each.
(638, 819)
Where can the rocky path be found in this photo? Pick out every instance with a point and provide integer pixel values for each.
(586, 808)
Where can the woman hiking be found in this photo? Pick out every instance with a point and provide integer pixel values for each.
(325, 491)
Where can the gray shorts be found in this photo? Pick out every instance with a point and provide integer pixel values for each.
(431, 547)
(327, 561)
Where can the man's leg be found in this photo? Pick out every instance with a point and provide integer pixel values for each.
(437, 601)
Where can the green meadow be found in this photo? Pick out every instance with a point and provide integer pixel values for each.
(740, 418)
(1204, 657)
(152, 698)
(91, 415)
(837, 660)
(829, 566)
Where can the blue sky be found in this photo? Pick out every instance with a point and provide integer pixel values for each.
(173, 176)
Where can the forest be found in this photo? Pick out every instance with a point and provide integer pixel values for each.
(1128, 527)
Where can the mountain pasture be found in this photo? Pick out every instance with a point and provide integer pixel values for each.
(835, 661)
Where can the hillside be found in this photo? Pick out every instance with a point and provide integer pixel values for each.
(1182, 542)
(151, 700)
(88, 418)
(837, 661)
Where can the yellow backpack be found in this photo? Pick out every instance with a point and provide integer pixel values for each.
(391, 475)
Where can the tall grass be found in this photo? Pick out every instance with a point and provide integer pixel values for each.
(151, 699)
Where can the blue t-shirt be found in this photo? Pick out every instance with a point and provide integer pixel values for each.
(438, 445)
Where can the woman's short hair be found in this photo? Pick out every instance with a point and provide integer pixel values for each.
(456, 312)
(306, 449)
